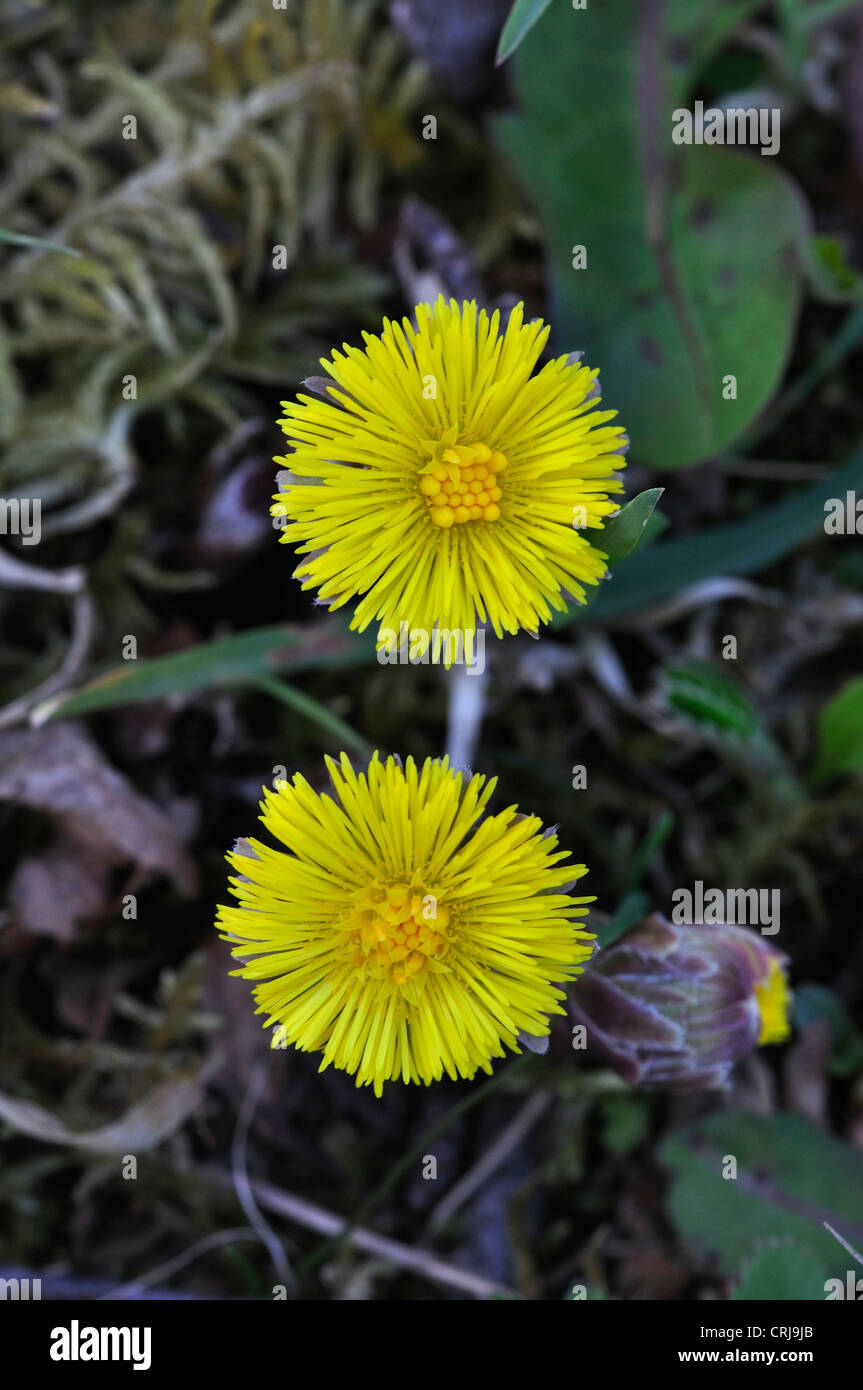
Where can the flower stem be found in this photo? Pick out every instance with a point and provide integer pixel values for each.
(465, 709)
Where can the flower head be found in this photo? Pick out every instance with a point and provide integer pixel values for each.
(676, 1006)
(399, 929)
(443, 482)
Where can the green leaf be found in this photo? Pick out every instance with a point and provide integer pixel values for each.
(313, 710)
(831, 277)
(633, 907)
(650, 846)
(840, 735)
(634, 904)
(625, 532)
(717, 708)
(744, 547)
(712, 701)
(242, 659)
(782, 1270)
(521, 18)
(827, 360)
(791, 1177)
(692, 250)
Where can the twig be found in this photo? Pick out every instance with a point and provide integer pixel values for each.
(164, 1271)
(843, 1242)
(83, 624)
(15, 574)
(242, 1185)
(420, 1262)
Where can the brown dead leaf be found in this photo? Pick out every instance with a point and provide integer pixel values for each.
(61, 772)
(144, 1126)
(51, 894)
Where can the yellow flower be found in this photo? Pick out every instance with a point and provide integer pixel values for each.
(400, 930)
(445, 482)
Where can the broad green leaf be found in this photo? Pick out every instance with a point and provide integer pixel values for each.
(840, 735)
(625, 532)
(692, 251)
(242, 659)
(782, 1270)
(791, 1177)
(832, 355)
(743, 547)
(521, 18)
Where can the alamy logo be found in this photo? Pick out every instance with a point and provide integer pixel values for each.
(415, 646)
(21, 516)
(77, 1343)
(843, 516)
(851, 1289)
(20, 1289)
(735, 126)
(734, 907)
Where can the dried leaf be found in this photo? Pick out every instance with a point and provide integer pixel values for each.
(61, 772)
(50, 894)
(142, 1128)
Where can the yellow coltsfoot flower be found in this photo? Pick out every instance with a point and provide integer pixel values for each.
(400, 930)
(442, 482)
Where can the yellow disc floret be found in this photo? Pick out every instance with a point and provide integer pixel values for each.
(396, 932)
(462, 485)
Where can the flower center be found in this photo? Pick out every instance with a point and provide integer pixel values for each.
(462, 486)
(396, 931)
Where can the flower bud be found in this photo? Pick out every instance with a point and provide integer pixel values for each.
(676, 1006)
